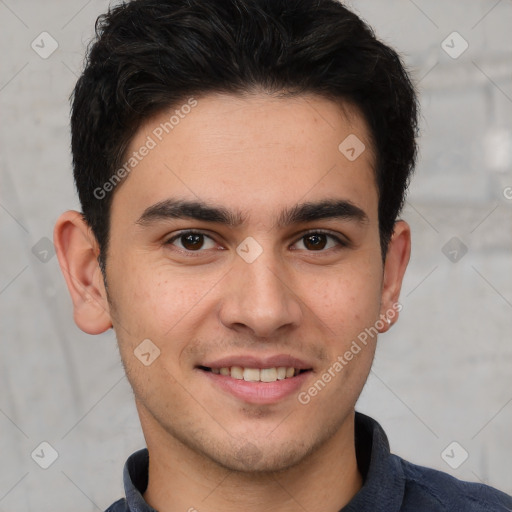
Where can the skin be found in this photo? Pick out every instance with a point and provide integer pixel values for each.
(256, 155)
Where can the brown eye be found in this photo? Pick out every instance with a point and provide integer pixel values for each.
(319, 241)
(315, 241)
(192, 241)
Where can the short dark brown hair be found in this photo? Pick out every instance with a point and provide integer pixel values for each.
(149, 55)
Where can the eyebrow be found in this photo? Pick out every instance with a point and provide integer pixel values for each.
(341, 209)
(183, 209)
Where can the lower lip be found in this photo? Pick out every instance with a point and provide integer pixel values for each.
(258, 392)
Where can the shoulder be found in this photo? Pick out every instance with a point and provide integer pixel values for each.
(436, 490)
(119, 506)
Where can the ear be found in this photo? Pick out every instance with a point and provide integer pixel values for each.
(397, 258)
(77, 251)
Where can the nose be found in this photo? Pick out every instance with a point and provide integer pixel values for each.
(258, 299)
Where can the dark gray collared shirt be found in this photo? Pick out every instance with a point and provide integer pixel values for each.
(391, 484)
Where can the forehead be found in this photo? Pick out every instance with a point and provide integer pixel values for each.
(252, 152)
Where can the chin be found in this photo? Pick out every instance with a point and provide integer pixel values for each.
(248, 458)
(262, 456)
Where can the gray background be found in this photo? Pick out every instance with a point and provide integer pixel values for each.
(442, 374)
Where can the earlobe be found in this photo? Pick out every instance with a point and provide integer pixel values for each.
(397, 259)
(77, 251)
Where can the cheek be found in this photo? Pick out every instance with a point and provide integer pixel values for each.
(346, 300)
(153, 302)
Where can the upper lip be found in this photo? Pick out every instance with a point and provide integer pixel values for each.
(248, 361)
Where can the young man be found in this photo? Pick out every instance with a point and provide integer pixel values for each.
(241, 165)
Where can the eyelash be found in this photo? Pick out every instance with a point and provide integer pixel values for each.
(337, 239)
(341, 243)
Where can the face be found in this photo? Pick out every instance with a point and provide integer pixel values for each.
(245, 247)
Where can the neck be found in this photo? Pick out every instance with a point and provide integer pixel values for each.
(181, 479)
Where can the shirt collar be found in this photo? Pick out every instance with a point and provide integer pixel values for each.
(135, 476)
(383, 478)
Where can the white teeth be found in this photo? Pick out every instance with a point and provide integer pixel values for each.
(257, 375)
(237, 372)
(251, 374)
(268, 375)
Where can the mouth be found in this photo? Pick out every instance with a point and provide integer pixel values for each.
(252, 385)
(269, 375)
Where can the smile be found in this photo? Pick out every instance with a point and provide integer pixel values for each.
(256, 385)
(256, 374)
